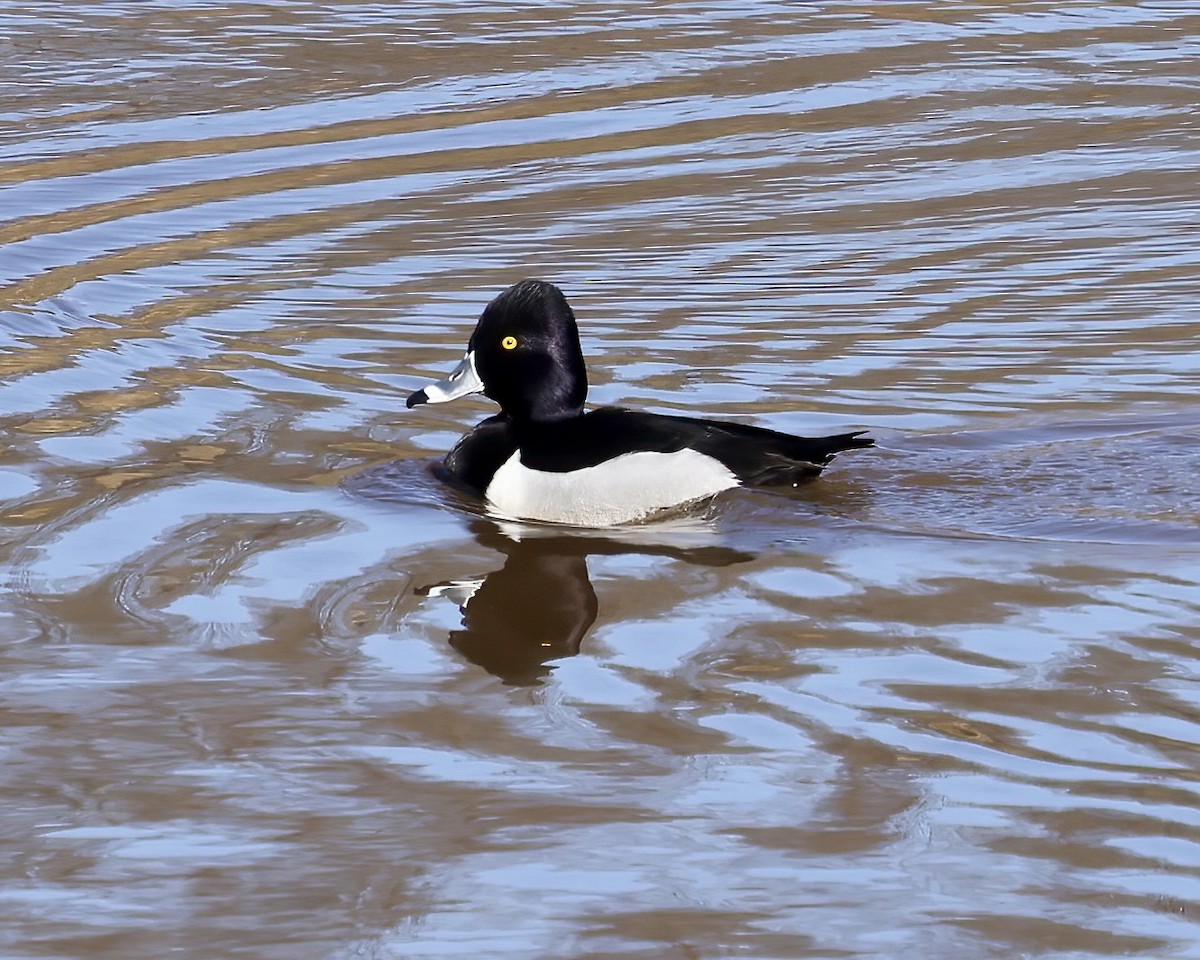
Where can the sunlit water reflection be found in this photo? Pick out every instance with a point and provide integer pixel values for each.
(272, 690)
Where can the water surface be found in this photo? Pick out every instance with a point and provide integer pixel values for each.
(270, 690)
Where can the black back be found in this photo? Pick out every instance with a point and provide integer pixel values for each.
(754, 455)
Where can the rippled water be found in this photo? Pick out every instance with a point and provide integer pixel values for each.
(940, 704)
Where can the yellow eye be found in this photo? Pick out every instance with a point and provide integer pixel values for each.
(509, 343)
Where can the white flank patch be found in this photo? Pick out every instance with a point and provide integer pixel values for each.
(626, 488)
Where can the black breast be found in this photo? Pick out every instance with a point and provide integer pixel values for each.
(477, 456)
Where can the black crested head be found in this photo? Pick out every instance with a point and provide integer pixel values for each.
(527, 353)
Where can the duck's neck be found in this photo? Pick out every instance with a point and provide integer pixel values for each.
(526, 425)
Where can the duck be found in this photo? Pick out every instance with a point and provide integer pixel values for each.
(544, 457)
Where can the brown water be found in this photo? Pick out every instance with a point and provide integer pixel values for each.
(941, 704)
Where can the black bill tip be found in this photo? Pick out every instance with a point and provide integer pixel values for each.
(416, 399)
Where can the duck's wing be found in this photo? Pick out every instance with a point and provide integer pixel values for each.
(753, 454)
(762, 457)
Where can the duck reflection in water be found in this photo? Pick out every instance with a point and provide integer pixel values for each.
(540, 605)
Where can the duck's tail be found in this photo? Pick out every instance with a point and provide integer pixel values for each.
(820, 450)
(768, 458)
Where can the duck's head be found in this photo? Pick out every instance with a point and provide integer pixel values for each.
(524, 354)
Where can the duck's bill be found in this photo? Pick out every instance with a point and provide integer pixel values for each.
(463, 379)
